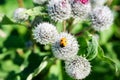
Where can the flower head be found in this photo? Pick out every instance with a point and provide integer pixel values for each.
(59, 10)
(102, 18)
(20, 15)
(80, 8)
(45, 33)
(78, 67)
(65, 46)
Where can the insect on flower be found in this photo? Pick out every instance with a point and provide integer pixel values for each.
(65, 46)
(63, 42)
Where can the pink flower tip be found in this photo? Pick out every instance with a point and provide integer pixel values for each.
(82, 1)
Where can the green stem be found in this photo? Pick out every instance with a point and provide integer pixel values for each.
(20, 3)
(116, 8)
(70, 25)
(64, 26)
(109, 2)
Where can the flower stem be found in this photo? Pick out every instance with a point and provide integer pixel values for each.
(64, 26)
(109, 2)
(70, 26)
(20, 3)
(116, 8)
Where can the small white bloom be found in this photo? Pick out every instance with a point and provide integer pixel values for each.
(96, 3)
(45, 33)
(59, 10)
(40, 1)
(78, 67)
(102, 18)
(65, 46)
(80, 8)
(20, 15)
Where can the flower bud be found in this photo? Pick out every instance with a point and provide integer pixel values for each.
(59, 10)
(20, 15)
(45, 33)
(78, 67)
(102, 18)
(80, 8)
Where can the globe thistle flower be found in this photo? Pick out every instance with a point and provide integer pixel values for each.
(102, 18)
(59, 10)
(65, 46)
(78, 67)
(96, 3)
(45, 33)
(20, 15)
(40, 1)
(80, 8)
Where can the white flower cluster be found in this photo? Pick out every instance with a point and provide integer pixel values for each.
(60, 10)
(64, 47)
(100, 15)
(20, 15)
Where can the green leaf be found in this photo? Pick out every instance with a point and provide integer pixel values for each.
(5, 20)
(34, 60)
(55, 72)
(106, 35)
(92, 48)
(83, 42)
(40, 68)
(1, 16)
(103, 57)
(108, 60)
(35, 11)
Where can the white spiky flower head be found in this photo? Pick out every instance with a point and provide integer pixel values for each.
(20, 14)
(78, 67)
(80, 8)
(65, 46)
(102, 18)
(96, 3)
(40, 1)
(45, 33)
(59, 10)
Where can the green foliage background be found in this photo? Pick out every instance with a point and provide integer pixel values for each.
(23, 59)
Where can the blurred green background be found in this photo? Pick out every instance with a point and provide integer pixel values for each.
(22, 59)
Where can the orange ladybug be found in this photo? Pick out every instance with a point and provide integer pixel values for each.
(63, 42)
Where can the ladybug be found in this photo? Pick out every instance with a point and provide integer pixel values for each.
(63, 42)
